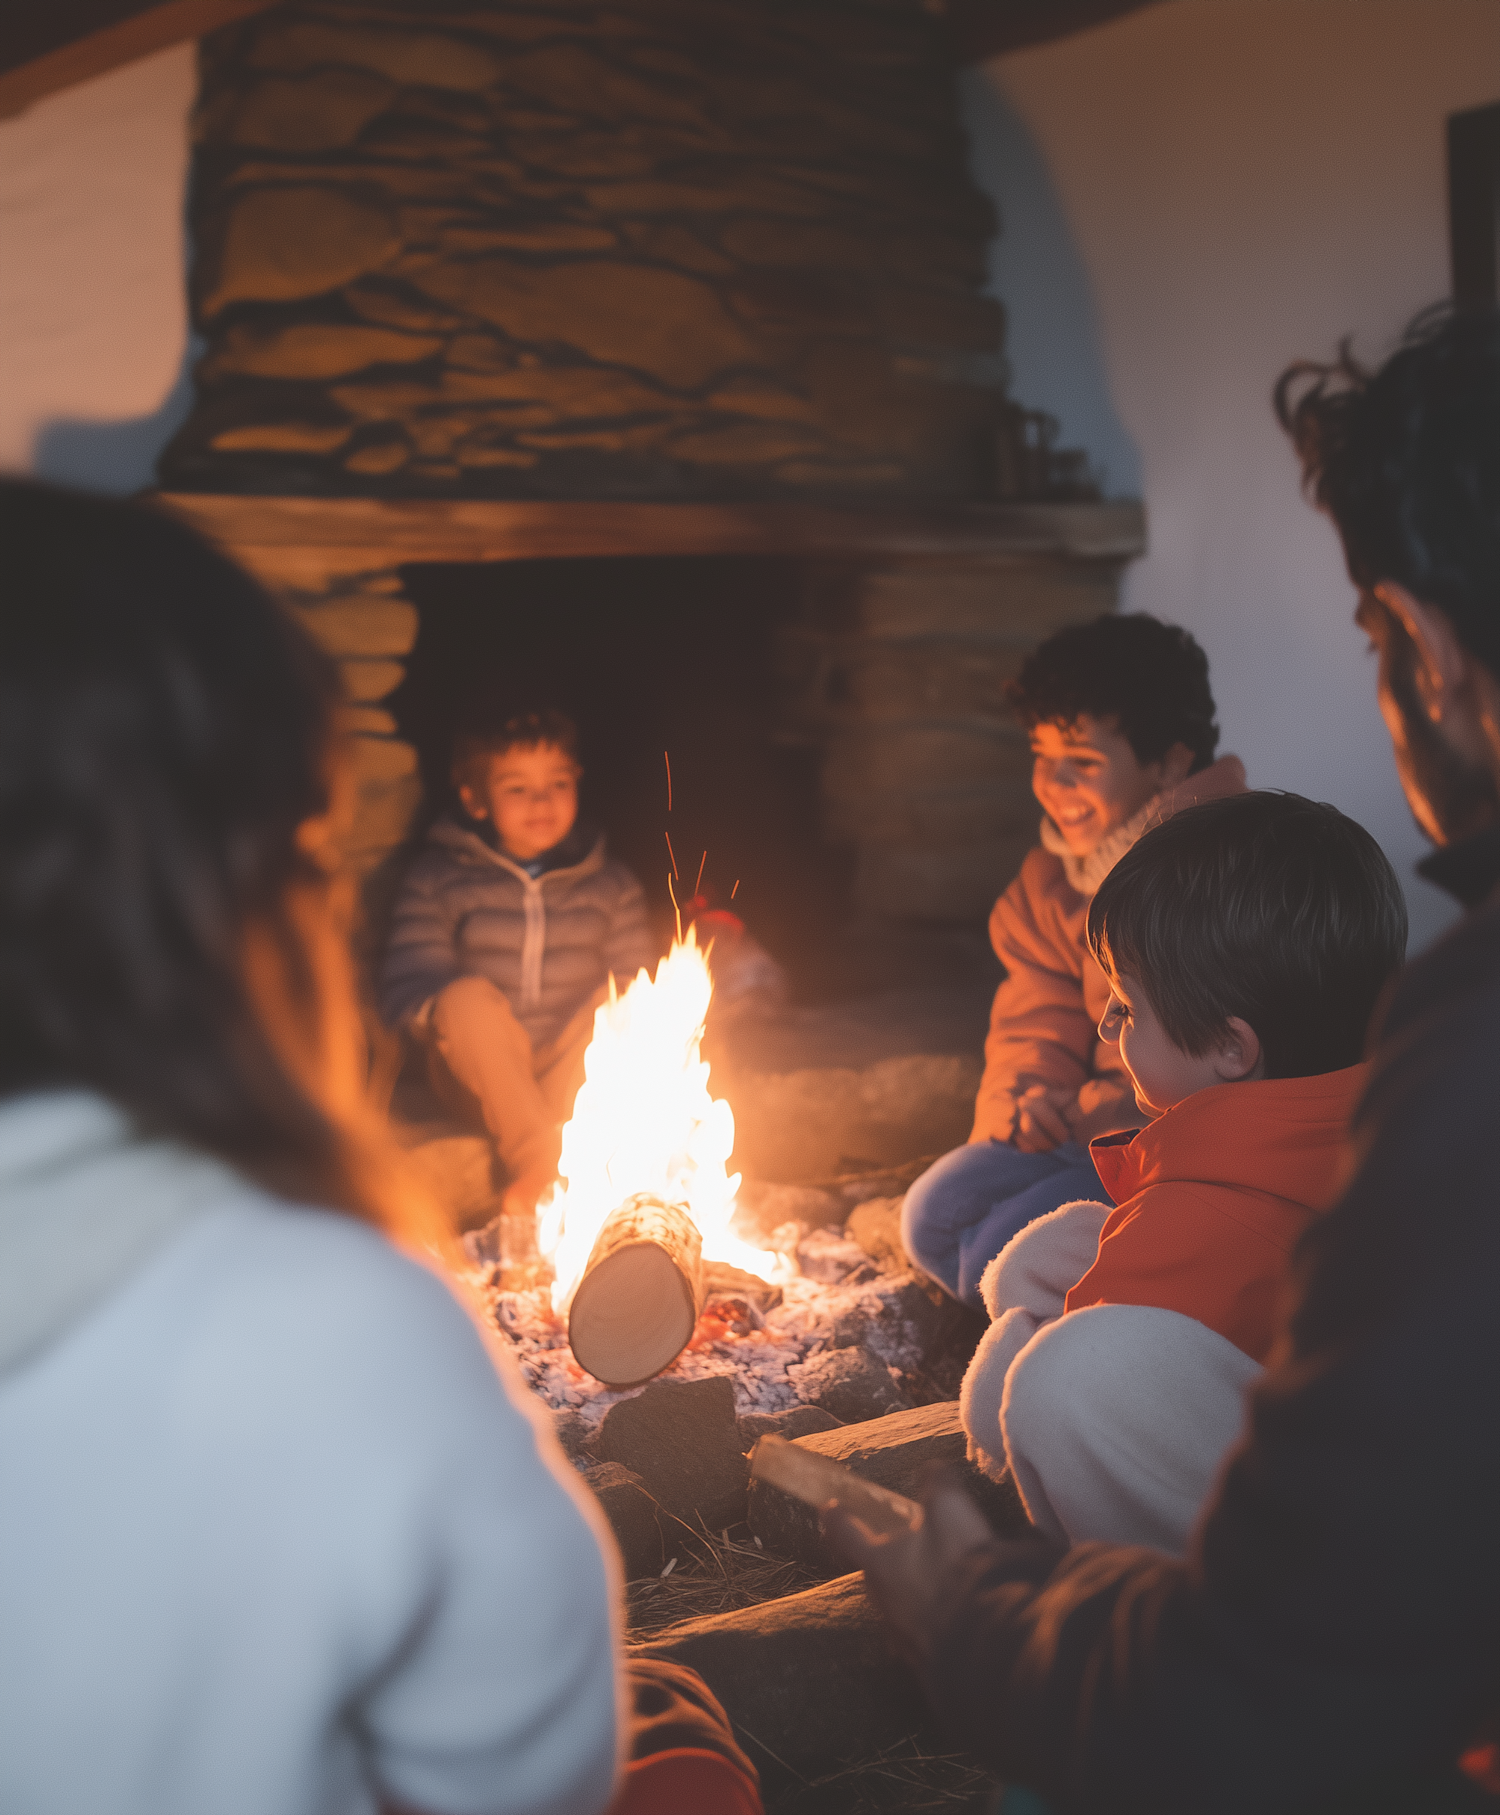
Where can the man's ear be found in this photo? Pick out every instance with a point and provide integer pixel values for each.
(1238, 1058)
(473, 801)
(1442, 664)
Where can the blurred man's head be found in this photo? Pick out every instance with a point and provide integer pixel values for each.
(1406, 460)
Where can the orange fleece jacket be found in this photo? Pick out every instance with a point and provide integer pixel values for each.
(1045, 1016)
(1213, 1196)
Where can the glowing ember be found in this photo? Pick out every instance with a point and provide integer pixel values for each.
(644, 1121)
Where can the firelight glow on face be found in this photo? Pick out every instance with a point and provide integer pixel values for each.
(1088, 779)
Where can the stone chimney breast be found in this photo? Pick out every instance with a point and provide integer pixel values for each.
(665, 251)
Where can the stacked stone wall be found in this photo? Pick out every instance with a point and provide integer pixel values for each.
(718, 249)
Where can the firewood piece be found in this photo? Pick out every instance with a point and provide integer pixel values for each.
(641, 1292)
(815, 1480)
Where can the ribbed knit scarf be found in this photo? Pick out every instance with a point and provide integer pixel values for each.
(1086, 873)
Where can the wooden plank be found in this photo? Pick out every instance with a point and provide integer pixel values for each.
(53, 48)
(355, 534)
(979, 29)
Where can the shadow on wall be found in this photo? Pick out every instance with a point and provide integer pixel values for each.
(1052, 338)
(116, 457)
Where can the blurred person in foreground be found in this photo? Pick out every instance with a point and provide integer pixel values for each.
(1332, 1642)
(283, 1532)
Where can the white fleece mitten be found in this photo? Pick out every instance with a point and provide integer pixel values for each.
(980, 1396)
(1036, 1268)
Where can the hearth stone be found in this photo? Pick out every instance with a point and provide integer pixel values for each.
(634, 1517)
(802, 1421)
(848, 1382)
(575, 1436)
(681, 1438)
(876, 1226)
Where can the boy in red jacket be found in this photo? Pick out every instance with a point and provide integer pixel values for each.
(1245, 942)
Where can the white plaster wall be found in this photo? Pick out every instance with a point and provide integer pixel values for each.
(93, 307)
(1190, 198)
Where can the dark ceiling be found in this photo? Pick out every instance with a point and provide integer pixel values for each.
(45, 47)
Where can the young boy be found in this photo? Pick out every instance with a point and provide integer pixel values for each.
(1122, 736)
(1246, 943)
(503, 938)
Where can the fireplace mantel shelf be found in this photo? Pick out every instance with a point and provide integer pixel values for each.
(363, 533)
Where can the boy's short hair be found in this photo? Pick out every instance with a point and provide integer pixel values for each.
(1266, 906)
(473, 751)
(1150, 678)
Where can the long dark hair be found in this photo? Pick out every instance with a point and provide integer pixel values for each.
(165, 730)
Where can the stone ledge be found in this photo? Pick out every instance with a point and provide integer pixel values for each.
(356, 535)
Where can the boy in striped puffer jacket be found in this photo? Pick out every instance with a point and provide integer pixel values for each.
(503, 938)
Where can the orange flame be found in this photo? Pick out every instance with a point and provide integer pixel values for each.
(644, 1121)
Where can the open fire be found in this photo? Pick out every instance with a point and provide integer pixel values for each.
(646, 1272)
(646, 1194)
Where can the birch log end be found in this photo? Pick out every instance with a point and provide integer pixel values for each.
(640, 1295)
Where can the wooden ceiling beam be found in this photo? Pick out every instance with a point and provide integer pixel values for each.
(48, 47)
(52, 44)
(990, 28)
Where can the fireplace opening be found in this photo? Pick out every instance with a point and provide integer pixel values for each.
(655, 658)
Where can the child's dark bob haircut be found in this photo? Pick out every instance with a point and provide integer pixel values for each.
(474, 750)
(1150, 678)
(1266, 906)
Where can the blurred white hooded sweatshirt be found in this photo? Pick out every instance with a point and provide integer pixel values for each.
(279, 1531)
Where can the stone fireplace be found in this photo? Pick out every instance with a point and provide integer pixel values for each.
(498, 283)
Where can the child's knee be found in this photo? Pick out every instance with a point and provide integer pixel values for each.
(929, 1243)
(465, 997)
(473, 1008)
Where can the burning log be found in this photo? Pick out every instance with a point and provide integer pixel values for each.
(641, 1292)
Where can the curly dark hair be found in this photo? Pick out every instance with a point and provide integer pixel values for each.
(1150, 678)
(1406, 460)
(1277, 909)
(473, 748)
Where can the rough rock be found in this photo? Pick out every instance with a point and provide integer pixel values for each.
(281, 438)
(279, 244)
(310, 113)
(891, 1322)
(370, 680)
(316, 350)
(682, 1438)
(661, 322)
(876, 1226)
(850, 1383)
(407, 57)
(746, 444)
(812, 1675)
(633, 1517)
(574, 1436)
(360, 625)
(893, 1452)
(801, 1421)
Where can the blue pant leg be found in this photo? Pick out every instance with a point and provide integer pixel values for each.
(966, 1188)
(1072, 1176)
